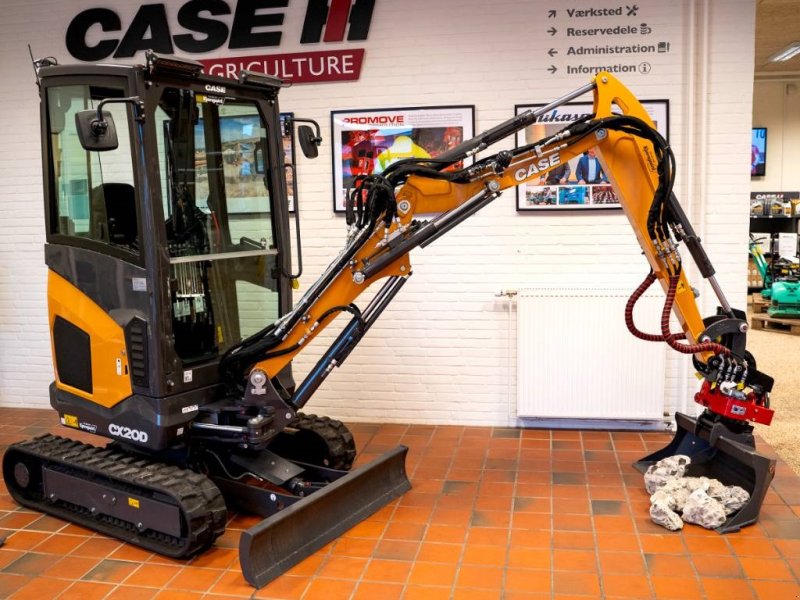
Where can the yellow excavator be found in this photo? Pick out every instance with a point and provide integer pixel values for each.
(173, 329)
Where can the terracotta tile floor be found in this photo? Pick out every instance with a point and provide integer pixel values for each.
(494, 513)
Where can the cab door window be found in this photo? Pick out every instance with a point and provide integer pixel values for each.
(92, 196)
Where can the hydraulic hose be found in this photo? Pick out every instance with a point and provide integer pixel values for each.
(668, 337)
(648, 337)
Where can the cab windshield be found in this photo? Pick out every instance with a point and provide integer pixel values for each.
(217, 218)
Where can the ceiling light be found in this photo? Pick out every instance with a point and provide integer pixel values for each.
(790, 51)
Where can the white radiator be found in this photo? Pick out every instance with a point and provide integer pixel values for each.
(577, 359)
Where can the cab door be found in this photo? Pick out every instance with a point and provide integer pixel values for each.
(97, 287)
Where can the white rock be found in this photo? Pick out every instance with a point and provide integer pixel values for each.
(663, 497)
(733, 498)
(701, 509)
(664, 470)
(662, 514)
(716, 489)
(676, 491)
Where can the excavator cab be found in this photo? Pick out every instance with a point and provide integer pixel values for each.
(169, 211)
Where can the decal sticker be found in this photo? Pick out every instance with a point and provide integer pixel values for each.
(535, 167)
(128, 433)
(90, 427)
(133, 502)
(70, 421)
(219, 100)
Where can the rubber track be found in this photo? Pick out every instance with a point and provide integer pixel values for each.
(335, 434)
(201, 504)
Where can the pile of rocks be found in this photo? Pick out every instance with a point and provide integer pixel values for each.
(676, 499)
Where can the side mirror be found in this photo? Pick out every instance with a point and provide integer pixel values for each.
(96, 129)
(96, 134)
(309, 141)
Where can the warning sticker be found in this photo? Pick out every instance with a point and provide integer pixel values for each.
(71, 421)
(133, 502)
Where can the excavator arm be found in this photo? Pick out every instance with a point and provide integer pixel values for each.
(640, 167)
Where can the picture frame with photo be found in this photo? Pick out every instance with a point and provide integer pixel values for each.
(579, 184)
(365, 142)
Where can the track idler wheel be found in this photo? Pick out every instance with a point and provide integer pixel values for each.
(319, 441)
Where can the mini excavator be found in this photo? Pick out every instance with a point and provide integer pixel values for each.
(173, 331)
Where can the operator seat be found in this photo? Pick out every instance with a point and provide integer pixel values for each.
(114, 213)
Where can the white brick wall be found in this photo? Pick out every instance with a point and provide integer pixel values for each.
(776, 106)
(444, 351)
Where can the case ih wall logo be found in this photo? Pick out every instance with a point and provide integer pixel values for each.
(201, 26)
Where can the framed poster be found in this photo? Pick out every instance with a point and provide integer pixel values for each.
(579, 184)
(365, 142)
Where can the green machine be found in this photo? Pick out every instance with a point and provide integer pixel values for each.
(781, 282)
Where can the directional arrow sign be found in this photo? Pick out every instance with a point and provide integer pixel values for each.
(552, 51)
(552, 31)
(552, 69)
(552, 14)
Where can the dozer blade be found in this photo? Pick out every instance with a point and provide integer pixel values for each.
(717, 455)
(279, 542)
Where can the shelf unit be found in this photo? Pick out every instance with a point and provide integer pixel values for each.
(777, 220)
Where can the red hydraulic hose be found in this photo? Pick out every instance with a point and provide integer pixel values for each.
(668, 337)
(648, 337)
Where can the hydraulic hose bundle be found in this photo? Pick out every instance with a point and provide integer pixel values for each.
(670, 338)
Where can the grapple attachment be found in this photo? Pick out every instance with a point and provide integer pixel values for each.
(282, 540)
(719, 453)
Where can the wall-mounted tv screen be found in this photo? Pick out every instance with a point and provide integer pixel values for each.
(758, 158)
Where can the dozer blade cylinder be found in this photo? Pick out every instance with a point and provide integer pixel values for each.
(279, 542)
(716, 454)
